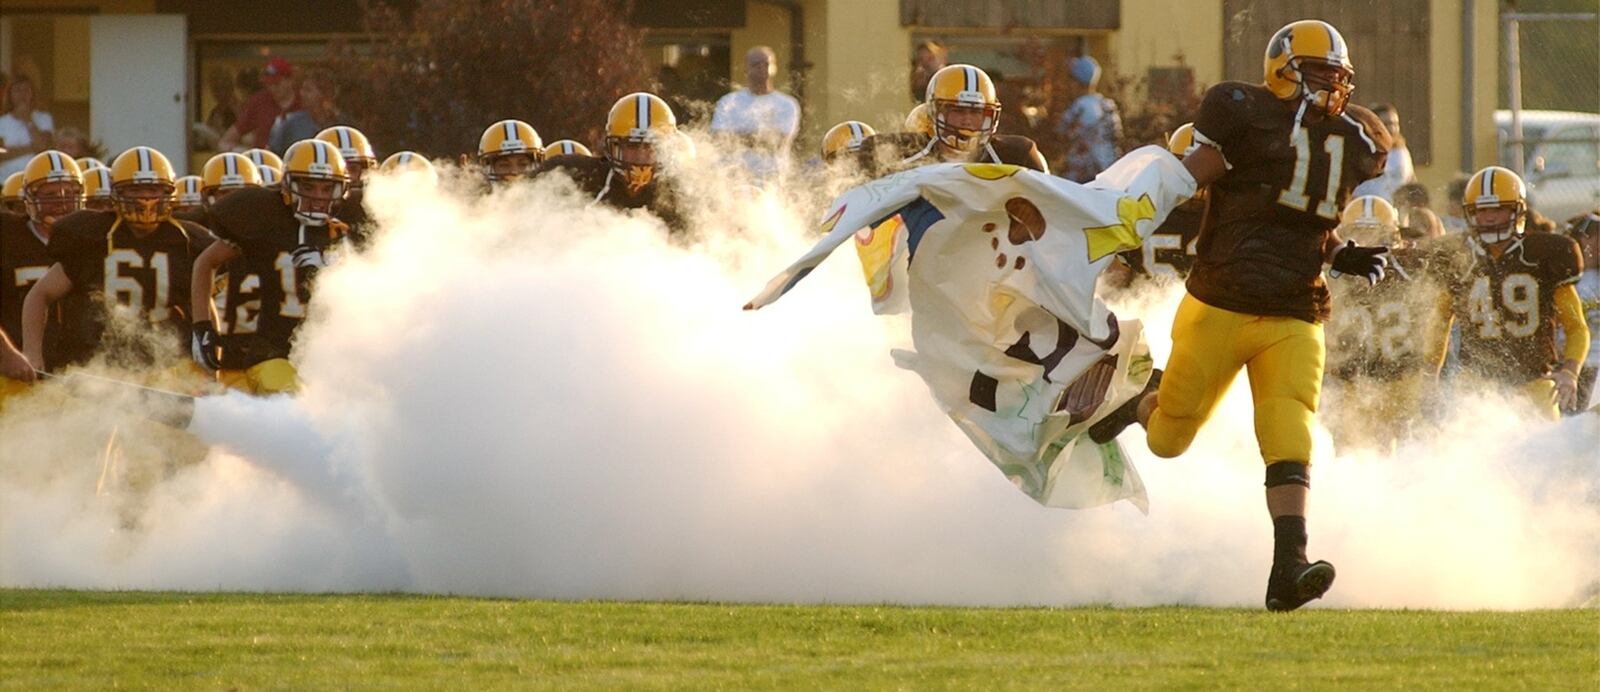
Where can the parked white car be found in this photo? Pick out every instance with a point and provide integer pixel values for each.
(1561, 150)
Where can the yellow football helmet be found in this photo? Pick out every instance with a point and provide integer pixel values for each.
(1309, 41)
(97, 189)
(264, 157)
(142, 183)
(186, 193)
(636, 124)
(51, 166)
(270, 177)
(846, 137)
(919, 121)
(87, 162)
(1370, 220)
(11, 194)
(1182, 141)
(965, 88)
(566, 147)
(408, 163)
(1496, 187)
(225, 173)
(505, 139)
(305, 163)
(355, 149)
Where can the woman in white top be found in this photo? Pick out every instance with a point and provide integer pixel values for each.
(24, 131)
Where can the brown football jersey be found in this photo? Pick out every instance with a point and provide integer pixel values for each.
(1382, 330)
(886, 153)
(598, 181)
(1272, 214)
(1170, 250)
(24, 259)
(1505, 302)
(111, 265)
(267, 234)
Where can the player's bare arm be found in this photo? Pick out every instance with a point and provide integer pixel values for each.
(36, 308)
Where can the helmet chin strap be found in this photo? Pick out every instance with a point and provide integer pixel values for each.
(1300, 114)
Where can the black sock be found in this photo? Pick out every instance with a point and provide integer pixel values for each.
(1289, 539)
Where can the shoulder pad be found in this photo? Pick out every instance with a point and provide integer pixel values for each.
(1373, 128)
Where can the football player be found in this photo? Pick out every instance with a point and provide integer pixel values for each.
(11, 195)
(186, 198)
(964, 111)
(640, 130)
(358, 160)
(844, 140)
(134, 261)
(1256, 298)
(1170, 251)
(1586, 231)
(509, 150)
(409, 162)
(264, 157)
(566, 147)
(282, 237)
(235, 298)
(1510, 289)
(52, 189)
(1377, 335)
(97, 189)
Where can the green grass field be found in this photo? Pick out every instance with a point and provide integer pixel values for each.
(167, 640)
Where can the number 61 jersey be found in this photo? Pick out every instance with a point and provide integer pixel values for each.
(1273, 212)
(114, 266)
(1504, 300)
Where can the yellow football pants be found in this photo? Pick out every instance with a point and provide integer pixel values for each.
(1541, 394)
(275, 376)
(1283, 356)
(11, 388)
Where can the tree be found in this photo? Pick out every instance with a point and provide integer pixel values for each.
(433, 78)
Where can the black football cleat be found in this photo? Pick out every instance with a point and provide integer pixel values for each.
(1127, 414)
(1295, 585)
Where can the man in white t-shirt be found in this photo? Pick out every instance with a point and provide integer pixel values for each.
(760, 120)
(24, 130)
(1397, 169)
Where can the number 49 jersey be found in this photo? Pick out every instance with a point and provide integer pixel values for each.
(1273, 212)
(1505, 302)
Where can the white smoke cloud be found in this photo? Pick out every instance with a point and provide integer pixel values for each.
(521, 396)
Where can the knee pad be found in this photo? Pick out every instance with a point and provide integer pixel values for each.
(1288, 473)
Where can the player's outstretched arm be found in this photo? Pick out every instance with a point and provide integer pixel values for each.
(1436, 343)
(36, 310)
(1206, 164)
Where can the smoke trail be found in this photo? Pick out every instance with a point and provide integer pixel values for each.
(520, 395)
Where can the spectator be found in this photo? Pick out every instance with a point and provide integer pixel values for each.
(929, 58)
(1397, 170)
(318, 96)
(73, 142)
(1455, 216)
(276, 97)
(24, 130)
(1417, 220)
(763, 120)
(226, 111)
(1091, 124)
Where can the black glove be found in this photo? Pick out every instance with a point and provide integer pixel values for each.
(1365, 262)
(203, 345)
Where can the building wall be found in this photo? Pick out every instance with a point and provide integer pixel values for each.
(1448, 95)
(1154, 31)
(862, 58)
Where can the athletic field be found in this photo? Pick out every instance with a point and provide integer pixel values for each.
(251, 641)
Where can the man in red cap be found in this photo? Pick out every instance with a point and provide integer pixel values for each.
(276, 97)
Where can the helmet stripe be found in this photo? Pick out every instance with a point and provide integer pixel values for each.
(344, 139)
(230, 166)
(55, 162)
(972, 78)
(511, 130)
(1488, 182)
(1366, 206)
(144, 160)
(643, 111)
(855, 131)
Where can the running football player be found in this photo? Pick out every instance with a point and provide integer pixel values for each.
(964, 112)
(134, 261)
(1510, 289)
(640, 132)
(359, 160)
(52, 189)
(1377, 335)
(1281, 158)
(282, 237)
